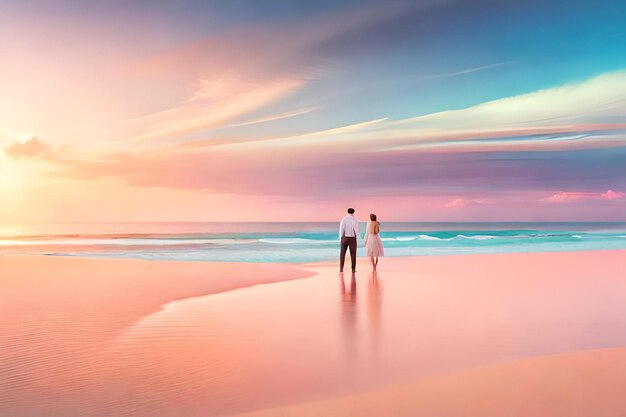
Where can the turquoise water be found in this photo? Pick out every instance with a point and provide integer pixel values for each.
(302, 242)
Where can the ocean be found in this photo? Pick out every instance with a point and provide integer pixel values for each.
(298, 242)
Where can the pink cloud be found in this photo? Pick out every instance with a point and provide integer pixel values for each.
(29, 148)
(570, 196)
(610, 194)
(458, 202)
(244, 72)
(464, 202)
(34, 148)
(215, 103)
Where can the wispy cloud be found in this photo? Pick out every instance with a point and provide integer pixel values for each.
(248, 70)
(592, 112)
(466, 71)
(596, 100)
(461, 202)
(214, 103)
(274, 117)
(587, 114)
(572, 196)
(316, 138)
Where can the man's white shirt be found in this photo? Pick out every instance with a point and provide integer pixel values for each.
(349, 227)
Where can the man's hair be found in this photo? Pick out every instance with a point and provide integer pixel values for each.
(350, 210)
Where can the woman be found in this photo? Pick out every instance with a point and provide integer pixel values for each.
(373, 243)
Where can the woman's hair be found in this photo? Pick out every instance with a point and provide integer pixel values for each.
(375, 225)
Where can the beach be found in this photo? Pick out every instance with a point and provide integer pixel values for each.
(528, 334)
(180, 181)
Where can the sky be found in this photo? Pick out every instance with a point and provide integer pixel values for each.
(277, 110)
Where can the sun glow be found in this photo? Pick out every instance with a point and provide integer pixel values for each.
(13, 177)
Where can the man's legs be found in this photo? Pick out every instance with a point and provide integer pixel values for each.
(342, 254)
(353, 252)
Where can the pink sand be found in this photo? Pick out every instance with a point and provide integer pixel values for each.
(437, 336)
(580, 384)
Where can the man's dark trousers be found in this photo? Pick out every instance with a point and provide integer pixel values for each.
(348, 242)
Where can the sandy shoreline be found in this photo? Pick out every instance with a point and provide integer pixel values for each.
(96, 337)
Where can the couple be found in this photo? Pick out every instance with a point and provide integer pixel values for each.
(348, 233)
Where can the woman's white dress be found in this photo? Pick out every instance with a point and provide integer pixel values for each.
(373, 243)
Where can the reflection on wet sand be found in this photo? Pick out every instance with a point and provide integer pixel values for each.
(374, 310)
(353, 339)
(348, 315)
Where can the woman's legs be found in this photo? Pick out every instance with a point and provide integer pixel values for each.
(376, 263)
(372, 261)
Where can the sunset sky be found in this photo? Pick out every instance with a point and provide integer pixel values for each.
(254, 110)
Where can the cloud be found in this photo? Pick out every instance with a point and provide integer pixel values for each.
(590, 114)
(571, 196)
(8, 134)
(329, 173)
(248, 71)
(574, 113)
(274, 117)
(465, 71)
(29, 148)
(265, 50)
(464, 202)
(34, 148)
(214, 103)
(317, 139)
(457, 158)
(610, 194)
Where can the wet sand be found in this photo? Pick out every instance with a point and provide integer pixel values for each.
(580, 384)
(435, 336)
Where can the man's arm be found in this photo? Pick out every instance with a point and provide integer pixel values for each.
(356, 228)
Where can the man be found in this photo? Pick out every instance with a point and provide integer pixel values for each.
(348, 232)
